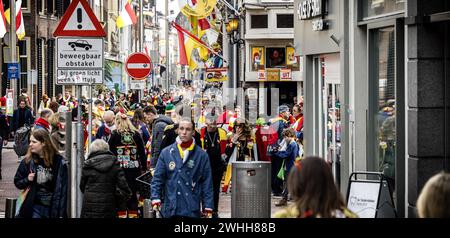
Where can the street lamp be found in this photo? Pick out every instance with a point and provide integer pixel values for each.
(232, 26)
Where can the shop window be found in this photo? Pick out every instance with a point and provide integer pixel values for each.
(276, 58)
(373, 8)
(285, 21)
(259, 21)
(384, 104)
(24, 48)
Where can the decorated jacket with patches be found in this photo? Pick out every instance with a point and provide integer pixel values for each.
(185, 184)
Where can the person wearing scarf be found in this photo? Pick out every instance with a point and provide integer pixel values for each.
(183, 175)
(42, 122)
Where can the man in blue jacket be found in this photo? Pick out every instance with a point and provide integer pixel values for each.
(183, 172)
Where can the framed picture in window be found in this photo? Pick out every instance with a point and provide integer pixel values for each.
(257, 58)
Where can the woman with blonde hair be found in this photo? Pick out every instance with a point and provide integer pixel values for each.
(126, 143)
(45, 103)
(58, 135)
(44, 173)
(433, 201)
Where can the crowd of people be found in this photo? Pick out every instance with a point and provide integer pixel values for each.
(186, 139)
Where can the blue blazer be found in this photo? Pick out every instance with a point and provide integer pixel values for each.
(185, 185)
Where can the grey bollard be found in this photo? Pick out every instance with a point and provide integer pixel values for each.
(10, 208)
(148, 211)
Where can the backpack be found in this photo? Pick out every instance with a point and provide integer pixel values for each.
(22, 140)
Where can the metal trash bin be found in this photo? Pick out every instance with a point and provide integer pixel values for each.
(250, 190)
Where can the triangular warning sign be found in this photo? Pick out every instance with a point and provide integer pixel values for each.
(79, 20)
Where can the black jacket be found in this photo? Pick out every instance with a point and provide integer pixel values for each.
(158, 127)
(58, 207)
(15, 122)
(117, 140)
(4, 128)
(103, 184)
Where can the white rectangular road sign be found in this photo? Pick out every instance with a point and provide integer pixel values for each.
(79, 77)
(79, 53)
(137, 84)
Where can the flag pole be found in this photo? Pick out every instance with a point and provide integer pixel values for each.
(13, 42)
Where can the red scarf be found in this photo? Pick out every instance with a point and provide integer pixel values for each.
(42, 122)
(186, 145)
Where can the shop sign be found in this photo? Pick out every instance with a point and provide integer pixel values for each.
(319, 25)
(216, 74)
(309, 9)
(261, 74)
(286, 74)
(273, 74)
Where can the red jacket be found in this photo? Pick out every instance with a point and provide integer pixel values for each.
(265, 136)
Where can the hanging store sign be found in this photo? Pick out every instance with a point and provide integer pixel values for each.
(310, 9)
(13, 71)
(216, 74)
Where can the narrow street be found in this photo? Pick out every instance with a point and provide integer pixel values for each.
(8, 190)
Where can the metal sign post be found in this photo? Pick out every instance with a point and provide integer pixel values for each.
(79, 61)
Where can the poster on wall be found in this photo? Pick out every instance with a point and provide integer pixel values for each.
(9, 102)
(291, 59)
(113, 75)
(257, 58)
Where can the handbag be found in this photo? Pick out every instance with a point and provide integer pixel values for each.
(281, 173)
(21, 199)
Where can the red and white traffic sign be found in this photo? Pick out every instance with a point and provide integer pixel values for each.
(138, 65)
(79, 20)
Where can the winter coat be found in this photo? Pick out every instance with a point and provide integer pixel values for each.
(103, 184)
(158, 127)
(184, 185)
(58, 208)
(15, 122)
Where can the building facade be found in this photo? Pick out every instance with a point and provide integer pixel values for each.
(389, 106)
(269, 69)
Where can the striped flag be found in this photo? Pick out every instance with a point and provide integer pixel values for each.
(20, 26)
(127, 16)
(2, 20)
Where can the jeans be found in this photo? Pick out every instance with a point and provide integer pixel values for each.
(40, 211)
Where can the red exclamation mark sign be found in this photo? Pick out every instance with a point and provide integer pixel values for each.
(79, 18)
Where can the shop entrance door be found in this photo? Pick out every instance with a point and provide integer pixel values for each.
(333, 128)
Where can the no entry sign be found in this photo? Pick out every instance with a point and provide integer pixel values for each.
(138, 65)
